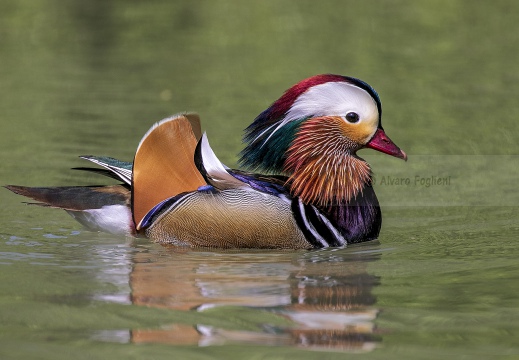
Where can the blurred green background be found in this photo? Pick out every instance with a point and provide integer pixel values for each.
(81, 76)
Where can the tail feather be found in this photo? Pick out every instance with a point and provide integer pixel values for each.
(164, 164)
(164, 167)
(120, 170)
(75, 198)
(98, 208)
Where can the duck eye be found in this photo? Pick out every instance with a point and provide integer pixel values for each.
(352, 117)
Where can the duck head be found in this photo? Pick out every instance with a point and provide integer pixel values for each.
(312, 134)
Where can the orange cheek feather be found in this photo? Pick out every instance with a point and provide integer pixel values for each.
(320, 164)
(359, 133)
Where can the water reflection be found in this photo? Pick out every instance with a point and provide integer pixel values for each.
(323, 299)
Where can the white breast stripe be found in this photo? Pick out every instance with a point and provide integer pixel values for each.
(332, 228)
(310, 227)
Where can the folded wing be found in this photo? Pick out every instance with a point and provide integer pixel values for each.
(164, 164)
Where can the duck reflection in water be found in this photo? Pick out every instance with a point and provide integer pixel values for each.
(323, 298)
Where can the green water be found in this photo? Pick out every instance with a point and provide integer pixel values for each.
(90, 77)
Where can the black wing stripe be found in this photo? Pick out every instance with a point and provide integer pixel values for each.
(165, 206)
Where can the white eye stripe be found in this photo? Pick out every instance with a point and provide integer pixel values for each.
(332, 99)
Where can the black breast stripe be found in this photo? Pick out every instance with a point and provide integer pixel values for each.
(317, 229)
(324, 227)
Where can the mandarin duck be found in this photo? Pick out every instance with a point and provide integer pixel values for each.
(305, 186)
